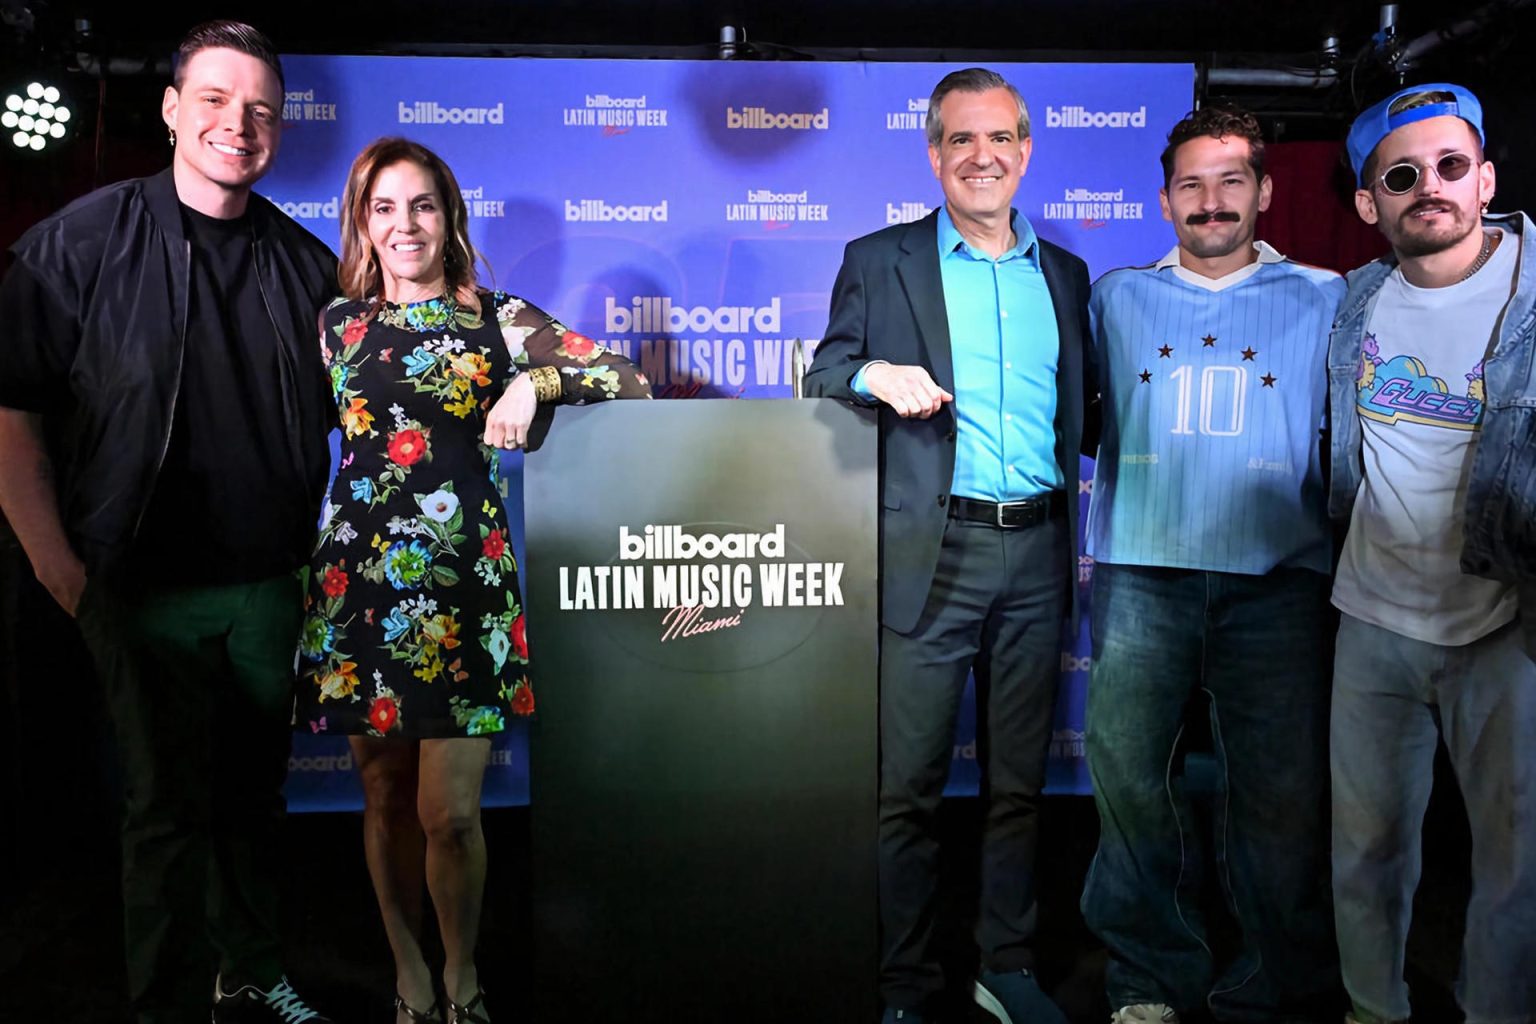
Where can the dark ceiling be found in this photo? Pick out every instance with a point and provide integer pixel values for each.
(1270, 55)
(1033, 26)
(1489, 42)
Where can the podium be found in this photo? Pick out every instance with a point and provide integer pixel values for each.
(702, 619)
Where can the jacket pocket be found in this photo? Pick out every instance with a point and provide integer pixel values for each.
(1502, 504)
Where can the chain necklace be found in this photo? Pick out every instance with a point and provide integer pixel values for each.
(1482, 255)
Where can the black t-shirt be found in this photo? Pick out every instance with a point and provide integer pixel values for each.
(228, 506)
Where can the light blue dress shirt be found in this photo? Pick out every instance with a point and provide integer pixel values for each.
(1004, 344)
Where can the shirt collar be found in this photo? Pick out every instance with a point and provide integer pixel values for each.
(1267, 254)
(1027, 245)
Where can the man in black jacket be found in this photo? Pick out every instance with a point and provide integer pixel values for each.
(163, 419)
(970, 335)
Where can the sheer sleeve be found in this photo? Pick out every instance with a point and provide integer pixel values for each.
(566, 366)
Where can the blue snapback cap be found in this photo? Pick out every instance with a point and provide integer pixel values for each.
(1379, 121)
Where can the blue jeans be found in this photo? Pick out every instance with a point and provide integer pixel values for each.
(1391, 696)
(1257, 646)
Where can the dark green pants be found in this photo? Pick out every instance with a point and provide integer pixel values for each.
(200, 685)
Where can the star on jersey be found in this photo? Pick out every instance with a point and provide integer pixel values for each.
(1249, 353)
(1146, 376)
(1210, 341)
(1268, 379)
(1165, 352)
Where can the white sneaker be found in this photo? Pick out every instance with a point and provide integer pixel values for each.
(1144, 1013)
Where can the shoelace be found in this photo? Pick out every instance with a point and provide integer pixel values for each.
(1141, 1009)
(287, 1002)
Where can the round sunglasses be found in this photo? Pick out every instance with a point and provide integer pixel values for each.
(1402, 178)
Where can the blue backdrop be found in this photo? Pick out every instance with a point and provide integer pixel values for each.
(693, 215)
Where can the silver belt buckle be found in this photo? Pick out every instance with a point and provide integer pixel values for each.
(1003, 506)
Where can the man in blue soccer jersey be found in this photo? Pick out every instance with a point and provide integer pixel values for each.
(1434, 468)
(970, 335)
(1212, 551)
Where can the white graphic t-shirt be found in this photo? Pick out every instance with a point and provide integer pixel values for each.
(1420, 403)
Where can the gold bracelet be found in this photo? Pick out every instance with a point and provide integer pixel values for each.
(546, 384)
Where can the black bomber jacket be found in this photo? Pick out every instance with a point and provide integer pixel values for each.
(106, 370)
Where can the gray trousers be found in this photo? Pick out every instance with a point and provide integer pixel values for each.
(1391, 696)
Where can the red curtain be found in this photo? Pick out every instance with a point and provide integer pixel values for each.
(1311, 217)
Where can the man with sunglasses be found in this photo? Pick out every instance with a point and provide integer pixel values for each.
(1434, 466)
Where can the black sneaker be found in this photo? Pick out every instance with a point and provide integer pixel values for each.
(250, 1005)
(1015, 997)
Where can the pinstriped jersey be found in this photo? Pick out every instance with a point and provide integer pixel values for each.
(1212, 404)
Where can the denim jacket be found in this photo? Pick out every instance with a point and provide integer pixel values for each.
(1500, 538)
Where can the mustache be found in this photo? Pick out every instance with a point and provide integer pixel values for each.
(1206, 218)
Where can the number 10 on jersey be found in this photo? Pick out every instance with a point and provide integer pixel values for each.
(1223, 399)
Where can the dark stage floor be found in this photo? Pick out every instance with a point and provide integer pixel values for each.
(60, 959)
(60, 956)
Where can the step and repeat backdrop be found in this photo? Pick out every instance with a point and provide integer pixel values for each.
(693, 216)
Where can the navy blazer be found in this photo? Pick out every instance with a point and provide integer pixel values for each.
(888, 303)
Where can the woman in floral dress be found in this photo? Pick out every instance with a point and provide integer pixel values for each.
(414, 642)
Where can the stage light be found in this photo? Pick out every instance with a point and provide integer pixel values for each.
(40, 116)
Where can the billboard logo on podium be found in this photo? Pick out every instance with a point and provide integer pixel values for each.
(673, 589)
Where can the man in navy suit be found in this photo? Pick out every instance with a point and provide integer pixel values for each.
(970, 335)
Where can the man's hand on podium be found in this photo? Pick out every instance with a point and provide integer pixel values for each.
(909, 390)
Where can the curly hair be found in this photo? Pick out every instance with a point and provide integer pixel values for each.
(1217, 122)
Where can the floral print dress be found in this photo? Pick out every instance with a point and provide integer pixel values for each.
(413, 625)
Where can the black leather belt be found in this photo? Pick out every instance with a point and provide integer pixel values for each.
(1009, 515)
